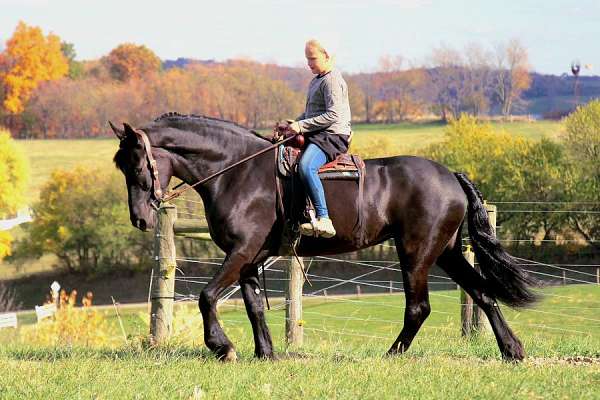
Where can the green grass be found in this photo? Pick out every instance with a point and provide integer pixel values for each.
(341, 357)
(407, 138)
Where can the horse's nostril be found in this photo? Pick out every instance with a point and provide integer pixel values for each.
(142, 224)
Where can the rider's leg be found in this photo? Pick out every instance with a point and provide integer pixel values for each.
(313, 159)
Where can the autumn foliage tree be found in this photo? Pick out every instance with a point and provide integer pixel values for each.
(128, 61)
(29, 59)
(13, 181)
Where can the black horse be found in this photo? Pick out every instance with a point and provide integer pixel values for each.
(418, 203)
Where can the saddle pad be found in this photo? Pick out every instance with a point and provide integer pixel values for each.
(343, 167)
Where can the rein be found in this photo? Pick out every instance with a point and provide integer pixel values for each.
(176, 192)
(160, 197)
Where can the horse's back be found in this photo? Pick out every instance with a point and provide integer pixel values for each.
(411, 181)
(401, 195)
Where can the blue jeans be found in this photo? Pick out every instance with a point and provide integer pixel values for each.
(312, 159)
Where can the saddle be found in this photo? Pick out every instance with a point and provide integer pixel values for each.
(349, 167)
(344, 167)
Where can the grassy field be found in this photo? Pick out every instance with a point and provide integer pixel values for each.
(47, 155)
(341, 358)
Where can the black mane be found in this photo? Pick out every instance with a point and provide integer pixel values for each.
(231, 126)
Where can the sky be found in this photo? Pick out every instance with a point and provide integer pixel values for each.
(555, 32)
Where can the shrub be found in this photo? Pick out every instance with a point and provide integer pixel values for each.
(14, 172)
(71, 325)
(82, 217)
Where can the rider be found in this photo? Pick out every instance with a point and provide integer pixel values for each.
(326, 125)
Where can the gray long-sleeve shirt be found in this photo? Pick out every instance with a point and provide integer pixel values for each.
(327, 105)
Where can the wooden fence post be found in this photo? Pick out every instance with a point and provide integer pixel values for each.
(294, 330)
(163, 284)
(466, 302)
(473, 319)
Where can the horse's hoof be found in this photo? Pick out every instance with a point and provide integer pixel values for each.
(230, 356)
(513, 353)
(226, 354)
(396, 349)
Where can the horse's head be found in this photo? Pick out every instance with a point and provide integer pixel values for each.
(143, 191)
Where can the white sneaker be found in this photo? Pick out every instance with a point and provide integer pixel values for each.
(322, 227)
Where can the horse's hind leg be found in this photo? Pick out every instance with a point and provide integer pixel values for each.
(458, 268)
(415, 269)
(263, 345)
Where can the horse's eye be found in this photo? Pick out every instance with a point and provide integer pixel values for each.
(138, 171)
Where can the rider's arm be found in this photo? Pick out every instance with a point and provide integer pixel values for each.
(333, 96)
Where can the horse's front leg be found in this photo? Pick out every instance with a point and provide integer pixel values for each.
(263, 345)
(214, 336)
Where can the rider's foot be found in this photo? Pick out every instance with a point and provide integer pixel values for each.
(322, 227)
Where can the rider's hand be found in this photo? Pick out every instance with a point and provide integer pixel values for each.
(294, 126)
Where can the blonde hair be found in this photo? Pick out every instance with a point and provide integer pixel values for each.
(317, 44)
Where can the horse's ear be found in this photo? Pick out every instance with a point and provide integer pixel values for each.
(128, 128)
(130, 131)
(120, 133)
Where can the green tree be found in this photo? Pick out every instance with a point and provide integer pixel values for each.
(490, 158)
(510, 168)
(14, 174)
(76, 69)
(82, 217)
(582, 140)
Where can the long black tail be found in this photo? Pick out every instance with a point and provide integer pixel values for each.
(506, 281)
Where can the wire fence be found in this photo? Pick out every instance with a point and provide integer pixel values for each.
(351, 280)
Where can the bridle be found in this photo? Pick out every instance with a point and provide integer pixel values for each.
(152, 166)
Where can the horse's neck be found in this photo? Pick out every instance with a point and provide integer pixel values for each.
(195, 156)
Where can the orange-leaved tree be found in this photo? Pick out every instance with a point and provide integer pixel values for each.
(29, 59)
(129, 60)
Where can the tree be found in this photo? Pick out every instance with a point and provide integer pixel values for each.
(446, 82)
(128, 61)
(14, 173)
(512, 74)
(29, 59)
(508, 167)
(459, 81)
(582, 140)
(398, 88)
(81, 217)
(76, 69)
